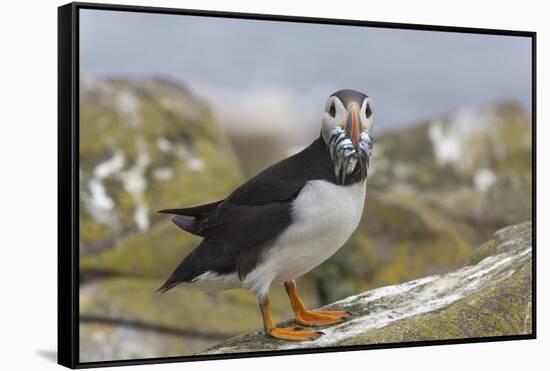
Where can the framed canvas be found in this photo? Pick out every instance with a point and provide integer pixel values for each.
(240, 185)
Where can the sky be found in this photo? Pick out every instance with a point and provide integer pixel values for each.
(280, 73)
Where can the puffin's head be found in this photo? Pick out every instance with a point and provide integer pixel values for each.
(346, 129)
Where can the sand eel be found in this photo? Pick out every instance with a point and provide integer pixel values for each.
(287, 219)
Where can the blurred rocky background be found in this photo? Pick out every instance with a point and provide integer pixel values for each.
(436, 190)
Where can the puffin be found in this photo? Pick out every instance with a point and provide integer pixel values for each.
(286, 220)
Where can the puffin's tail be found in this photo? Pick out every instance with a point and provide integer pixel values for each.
(193, 210)
(167, 286)
(190, 218)
(203, 258)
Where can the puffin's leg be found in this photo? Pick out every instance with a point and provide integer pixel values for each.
(312, 317)
(286, 333)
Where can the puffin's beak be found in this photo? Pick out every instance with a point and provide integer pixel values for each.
(353, 123)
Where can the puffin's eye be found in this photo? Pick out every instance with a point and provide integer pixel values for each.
(368, 111)
(332, 109)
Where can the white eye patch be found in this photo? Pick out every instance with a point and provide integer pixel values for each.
(367, 113)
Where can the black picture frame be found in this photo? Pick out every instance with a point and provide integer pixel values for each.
(68, 179)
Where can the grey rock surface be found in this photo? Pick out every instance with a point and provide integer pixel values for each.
(489, 298)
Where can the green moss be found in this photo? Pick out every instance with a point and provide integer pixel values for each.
(392, 219)
(482, 252)
(153, 254)
(503, 308)
(96, 232)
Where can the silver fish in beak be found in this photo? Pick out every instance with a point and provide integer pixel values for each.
(350, 146)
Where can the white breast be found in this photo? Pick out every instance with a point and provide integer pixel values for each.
(324, 216)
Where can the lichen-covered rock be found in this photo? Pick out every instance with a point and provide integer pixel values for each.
(154, 254)
(145, 144)
(491, 297)
(461, 145)
(106, 342)
(124, 317)
(475, 162)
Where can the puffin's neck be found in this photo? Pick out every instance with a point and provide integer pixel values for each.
(322, 166)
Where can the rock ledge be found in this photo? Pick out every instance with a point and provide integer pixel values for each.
(489, 297)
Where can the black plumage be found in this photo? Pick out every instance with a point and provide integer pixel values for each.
(237, 229)
(348, 96)
(190, 218)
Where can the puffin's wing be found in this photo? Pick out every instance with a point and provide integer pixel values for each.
(234, 240)
(279, 183)
(261, 201)
(285, 179)
(239, 228)
(236, 229)
(189, 218)
(256, 213)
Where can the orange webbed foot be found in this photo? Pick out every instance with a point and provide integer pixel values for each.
(294, 333)
(321, 317)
